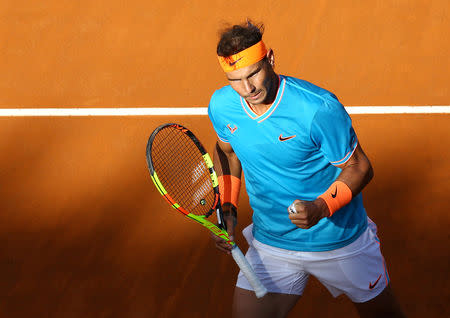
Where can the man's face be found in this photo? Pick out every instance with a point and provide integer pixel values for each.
(254, 82)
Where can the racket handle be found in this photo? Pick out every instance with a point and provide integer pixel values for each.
(248, 272)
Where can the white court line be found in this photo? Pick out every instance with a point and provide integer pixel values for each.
(192, 111)
(398, 109)
(136, 111)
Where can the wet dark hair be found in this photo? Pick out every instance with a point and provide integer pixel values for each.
(239, 37)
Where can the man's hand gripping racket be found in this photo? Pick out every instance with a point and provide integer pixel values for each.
(184, 175)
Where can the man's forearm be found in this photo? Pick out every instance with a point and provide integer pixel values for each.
(226, 163)
(228, 169)
(356, 177)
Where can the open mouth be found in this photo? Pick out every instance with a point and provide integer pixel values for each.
(254, 96)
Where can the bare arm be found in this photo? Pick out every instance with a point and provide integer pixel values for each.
(356, 174)
(225, 160)
(226, 163)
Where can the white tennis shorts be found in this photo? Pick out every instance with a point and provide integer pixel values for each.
(357, 270)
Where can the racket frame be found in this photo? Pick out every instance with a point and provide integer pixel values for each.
(218, 230)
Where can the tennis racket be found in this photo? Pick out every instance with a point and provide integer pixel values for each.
(184, 175)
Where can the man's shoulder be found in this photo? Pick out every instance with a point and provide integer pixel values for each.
(308, 90)
(223, 94)
(313, 102)
(222, 101)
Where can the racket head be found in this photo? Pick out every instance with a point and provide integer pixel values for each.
(178, 162)
(182, 170)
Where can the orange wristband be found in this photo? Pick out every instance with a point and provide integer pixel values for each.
(229, 188)
(337, 196)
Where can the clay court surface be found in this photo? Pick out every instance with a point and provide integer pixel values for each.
(83, 231)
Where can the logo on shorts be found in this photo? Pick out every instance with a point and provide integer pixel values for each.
(232, 129)
(372, 286)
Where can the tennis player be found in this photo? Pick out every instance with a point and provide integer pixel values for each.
(304, 170)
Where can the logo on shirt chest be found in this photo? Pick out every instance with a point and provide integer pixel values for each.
(232, 129)
(281, 138)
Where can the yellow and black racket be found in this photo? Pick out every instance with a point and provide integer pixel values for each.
(184, 175)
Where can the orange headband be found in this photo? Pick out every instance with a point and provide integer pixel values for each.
(253, 54)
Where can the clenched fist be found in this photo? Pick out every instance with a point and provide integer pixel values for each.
(306, 214)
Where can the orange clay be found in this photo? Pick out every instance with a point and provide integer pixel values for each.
(244, 58)
(229, 187)
(337, 196)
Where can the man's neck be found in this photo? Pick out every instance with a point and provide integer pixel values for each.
(260, 108)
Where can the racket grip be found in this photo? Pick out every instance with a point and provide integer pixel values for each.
(248, 272)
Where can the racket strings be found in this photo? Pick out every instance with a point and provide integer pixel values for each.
(182, 170)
